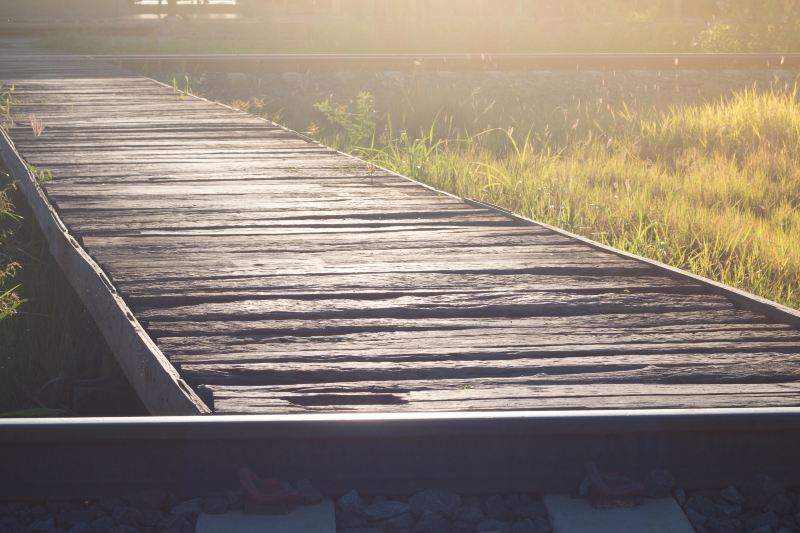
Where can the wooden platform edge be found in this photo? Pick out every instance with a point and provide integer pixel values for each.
(152, 376)
(747, 300)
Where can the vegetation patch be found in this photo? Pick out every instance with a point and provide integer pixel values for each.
(53, 360)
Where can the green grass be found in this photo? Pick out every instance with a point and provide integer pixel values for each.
(48, 341)
(710, 187)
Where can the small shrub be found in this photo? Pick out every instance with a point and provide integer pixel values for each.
(353, 123)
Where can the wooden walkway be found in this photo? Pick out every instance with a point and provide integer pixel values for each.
(278, 276)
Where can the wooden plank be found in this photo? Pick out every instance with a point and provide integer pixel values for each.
(488, 345)
(157, 383)
(495, 304)
(659, 368)
(174, 293)
(231, 334)
(502, 395)
(742, 298)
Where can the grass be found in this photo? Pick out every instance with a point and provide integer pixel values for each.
(7, 100)
(48, 341)
(710, 187)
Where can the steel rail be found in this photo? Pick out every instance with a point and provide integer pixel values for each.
(460, 61)
(534, 451)
(479, 61)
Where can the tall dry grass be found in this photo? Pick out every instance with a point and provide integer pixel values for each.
(713, 188)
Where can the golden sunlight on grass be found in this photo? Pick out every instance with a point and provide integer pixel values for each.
(711, 187)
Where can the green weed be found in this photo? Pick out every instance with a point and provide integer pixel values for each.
(182, 92)
(7, 101)
(41, 175)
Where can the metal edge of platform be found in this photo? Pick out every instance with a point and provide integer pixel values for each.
(482, 452)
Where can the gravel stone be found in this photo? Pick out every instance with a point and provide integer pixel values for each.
(493, 526)
(435, 500)
(149, 499)
(385, 509)
(124, 528)
(309, 492)
(189, 509)
(728, 509)
(44, 524)
(659, 483)
(781, 504)
(722, 524)
(496, 508)
(70, 517)
(216, 503)
(467, 516)
(102, 524)
(732, 495)
(471, 499)
(109, 504)
(177, 523)
(431, 522)
(126, 515)
(760, 490)
(530, 508)
(235, 499)
(524, 526)
(702, 505)
(543, 525)
(151, 517)
(352, 502)
(403, 521)
(769, 519)
(697, 519)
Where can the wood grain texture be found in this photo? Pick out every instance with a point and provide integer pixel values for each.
(279, 276)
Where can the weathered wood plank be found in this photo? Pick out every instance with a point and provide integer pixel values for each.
(726, 367)
(496, 304)
(232, 334)
(502, 394)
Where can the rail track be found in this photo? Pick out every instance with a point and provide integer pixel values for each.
(465, 61)
(393, 453)
(473, 61)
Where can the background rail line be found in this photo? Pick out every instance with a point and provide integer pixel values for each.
(456, 61)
